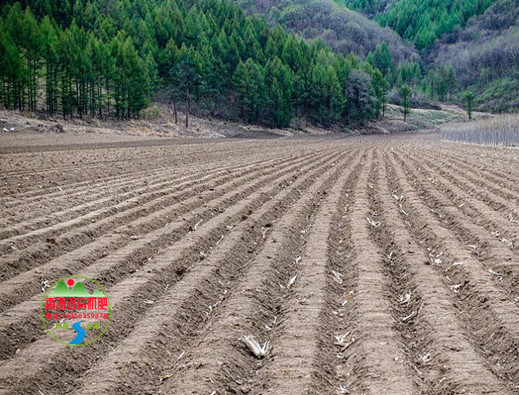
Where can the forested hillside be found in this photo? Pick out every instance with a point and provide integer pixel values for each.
(421, 21)
(468, 47)
(485, 56)
(345, 30)
(418, 58)
(109, 58)
(291, 62)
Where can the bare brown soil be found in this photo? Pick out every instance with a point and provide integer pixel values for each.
(371, 265)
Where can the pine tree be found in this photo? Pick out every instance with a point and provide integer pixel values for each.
(292, 54)
(326, 95)
(249, 80)
(137, 79)
(32, 42)
(380, 89)
(381, 59)
(317, 99)
(81, 69)
(67, 52)
(186, 77)
(469, 99)
(279, 79)
(18, 83)
(405, 96)
(335, 99)
(409, 72)
(451, 81)
(357, 91)
(50, 54)
(14, 75)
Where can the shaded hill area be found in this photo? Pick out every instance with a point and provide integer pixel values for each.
(485, 56)
(344, 30)
(465, 45)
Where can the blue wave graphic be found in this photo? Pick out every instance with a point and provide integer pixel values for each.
(80, 333)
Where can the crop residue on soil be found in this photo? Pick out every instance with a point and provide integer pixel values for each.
(382, 265)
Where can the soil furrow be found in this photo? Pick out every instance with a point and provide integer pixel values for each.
(17, 328)
(371, 351)
(442, 351)
(151, 232)
(291, 369)
(406, 316)
(205, 287)
(128, 297)
(486, 248)
(369, 265)
(25, 231)
(43, 252)
(499, 163)
(93, 195)
(490, 318)
(373, 362)
(481, 213)
(501, 199)
(84, 198)
(255, 307)
(165, 184)
(100, 187)
(497, 175)
(35, 182)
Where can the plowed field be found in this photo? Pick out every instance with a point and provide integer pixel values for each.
(369, 265)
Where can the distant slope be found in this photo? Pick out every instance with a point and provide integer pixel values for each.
(421, 21)
(345, 30)
(485, 56)
(478, 39)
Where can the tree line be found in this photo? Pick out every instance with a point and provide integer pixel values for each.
(110, 58)
(69, 71)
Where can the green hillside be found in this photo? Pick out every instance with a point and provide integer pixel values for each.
(345, 30)
(465, 46)
(421, 21)
(111, 58)
(276, 63)
(484, 56)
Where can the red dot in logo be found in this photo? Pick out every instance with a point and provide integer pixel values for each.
(70, 282)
